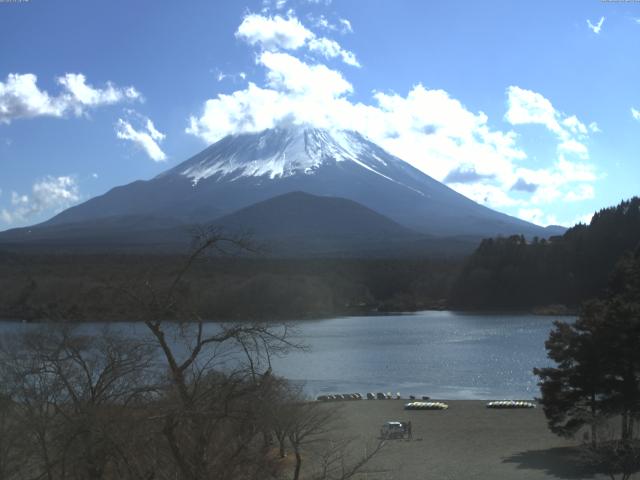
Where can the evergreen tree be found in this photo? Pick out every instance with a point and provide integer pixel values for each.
(597, 372)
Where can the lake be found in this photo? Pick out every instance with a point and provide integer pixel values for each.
(442, 354)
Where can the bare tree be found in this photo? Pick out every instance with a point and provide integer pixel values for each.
(71, 393)
(217, 376)
(613, 458)
(10, 437)
(312, 429)
(186, 401)
(309, 421)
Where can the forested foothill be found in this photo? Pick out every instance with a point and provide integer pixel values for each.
(516, 273)
(552, 276)
(90, 287)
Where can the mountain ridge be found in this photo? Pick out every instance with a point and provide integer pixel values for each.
(245, 169)
(242, 169)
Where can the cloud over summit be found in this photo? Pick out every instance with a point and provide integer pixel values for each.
(427, 127)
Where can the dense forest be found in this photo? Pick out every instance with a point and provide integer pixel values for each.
(514, 273)
(100, 287)
(503, 273)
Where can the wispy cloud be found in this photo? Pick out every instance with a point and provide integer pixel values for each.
(51, 194)
(146, 137)
(635, 113)
(332, 49)
(278, 33)
(221, 76)
(346, 25)
(597, 27)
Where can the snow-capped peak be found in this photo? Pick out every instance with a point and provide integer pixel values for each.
(282, 152)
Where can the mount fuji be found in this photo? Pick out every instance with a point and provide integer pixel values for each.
(244, 169)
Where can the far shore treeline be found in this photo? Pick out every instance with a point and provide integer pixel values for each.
(514, 273)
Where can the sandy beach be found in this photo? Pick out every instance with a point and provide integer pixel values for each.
(467, 441)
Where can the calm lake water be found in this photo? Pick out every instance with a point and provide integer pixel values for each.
(447, 355)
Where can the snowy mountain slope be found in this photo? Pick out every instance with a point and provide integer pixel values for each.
(243, 169)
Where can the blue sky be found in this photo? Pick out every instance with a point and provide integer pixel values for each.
(531, 107)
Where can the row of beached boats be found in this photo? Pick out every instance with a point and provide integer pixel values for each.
(421, 405)
(426, 406)
(370, 396)
(444, 406)
(339, 396)
(511, 404)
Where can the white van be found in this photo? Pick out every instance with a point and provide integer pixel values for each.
(392, 430)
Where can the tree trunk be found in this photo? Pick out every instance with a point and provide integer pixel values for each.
(296, 473)
(594, 422)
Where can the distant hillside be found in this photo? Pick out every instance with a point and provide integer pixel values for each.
(299, 214)
(295, 224)
(514, 273)
(301, 224)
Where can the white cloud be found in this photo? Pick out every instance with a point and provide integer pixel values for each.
(273, 33)
(250, 110)
(635, 113)
(575, 147)
(528, 107)
(537, 216)
(147, 137)
(20, 96)
(346, 25)
(50, 194)
(277, 33)
(428, 128)
(597, 27)
(487, 194)
(343, 26)
(286, 73)
(575, 125)
(582, 192)
(332, 49)
(268, 5)
(533, 215)
(558, 180)
(84, 95)
(594, 128)
(322, 22)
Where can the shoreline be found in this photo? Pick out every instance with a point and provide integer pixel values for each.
(542, 312)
